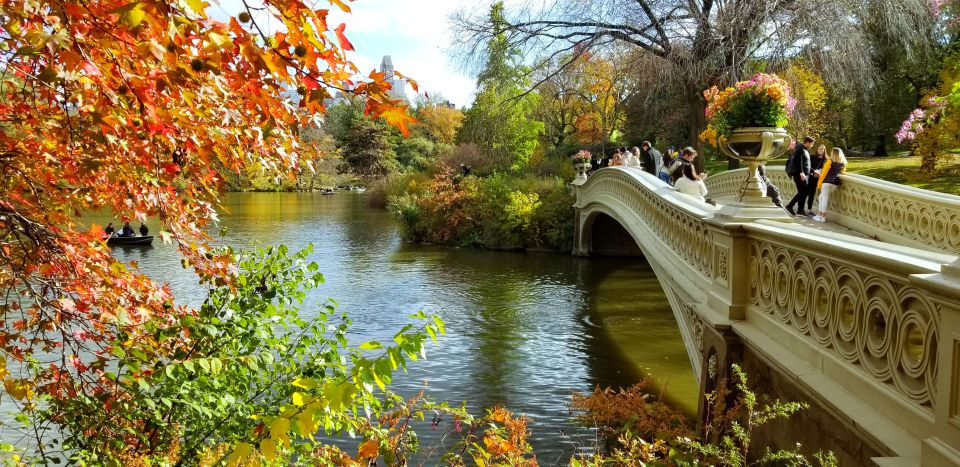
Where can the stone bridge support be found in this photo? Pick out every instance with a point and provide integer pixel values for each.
(866, 332)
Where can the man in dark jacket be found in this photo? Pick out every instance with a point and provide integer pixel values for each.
(801, 171)
(127, 230)
(649, 157)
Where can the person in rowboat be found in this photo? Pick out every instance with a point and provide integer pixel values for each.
(126, 231)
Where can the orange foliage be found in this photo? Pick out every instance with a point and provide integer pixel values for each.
(137, 107)
(631, 408)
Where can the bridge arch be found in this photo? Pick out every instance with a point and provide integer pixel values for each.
(623, 205)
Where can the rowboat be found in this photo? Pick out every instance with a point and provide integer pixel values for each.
(129, 241)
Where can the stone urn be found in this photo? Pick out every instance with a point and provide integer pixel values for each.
(582, 169)
(754, 146)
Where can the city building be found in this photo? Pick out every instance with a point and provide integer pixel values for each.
(398, 87)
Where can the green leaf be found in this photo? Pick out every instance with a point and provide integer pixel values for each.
(439, 323)
(216, 366)
(376, 379)
(371, 345)
(418, 315)
(305, 383)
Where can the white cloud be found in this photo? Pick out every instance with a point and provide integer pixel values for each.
(415, 33)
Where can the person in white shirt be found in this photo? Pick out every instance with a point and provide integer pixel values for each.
(632, 160)
(691, 184)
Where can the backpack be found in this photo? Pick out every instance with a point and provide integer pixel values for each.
(791, 167)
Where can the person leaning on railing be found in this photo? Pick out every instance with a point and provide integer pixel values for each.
(691, 183)
(830, 180)
(686, 158)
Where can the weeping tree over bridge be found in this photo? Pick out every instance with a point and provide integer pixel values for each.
(705, 42)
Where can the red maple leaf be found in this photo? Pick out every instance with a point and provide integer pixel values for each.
(344, 43)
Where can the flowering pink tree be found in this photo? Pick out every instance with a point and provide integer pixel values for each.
(933, 125)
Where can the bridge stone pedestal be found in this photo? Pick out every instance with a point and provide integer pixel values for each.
(866, 332)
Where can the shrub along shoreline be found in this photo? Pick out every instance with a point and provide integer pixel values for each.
(502, 211)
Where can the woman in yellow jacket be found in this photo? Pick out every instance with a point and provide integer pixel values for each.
(830, 180)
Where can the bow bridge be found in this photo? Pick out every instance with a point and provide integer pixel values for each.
(859, 318)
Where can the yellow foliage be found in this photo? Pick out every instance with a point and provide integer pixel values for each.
(19, 389)
(440, 123)
(811, 93)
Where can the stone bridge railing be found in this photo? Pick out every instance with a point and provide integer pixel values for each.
(869, 330)
(888, 211)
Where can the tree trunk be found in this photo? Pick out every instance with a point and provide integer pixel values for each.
(881, 150)
(698, 122)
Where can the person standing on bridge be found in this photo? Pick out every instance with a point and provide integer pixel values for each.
(798, 167)
(830, 180)
(813, 181)
(633, 158)
(649, 158)
(617, 158)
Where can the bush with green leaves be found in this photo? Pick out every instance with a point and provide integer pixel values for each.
(246, 371)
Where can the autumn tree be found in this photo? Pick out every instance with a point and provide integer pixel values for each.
(440, 123)
(700, 43)
(136, 108)
(604, 90)
(560, 103)
(810, 91)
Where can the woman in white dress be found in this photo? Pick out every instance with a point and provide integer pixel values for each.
(691, 184)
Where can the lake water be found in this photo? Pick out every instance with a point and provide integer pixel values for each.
(524, 330)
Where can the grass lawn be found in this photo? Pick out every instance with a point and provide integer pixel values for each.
(895, 168)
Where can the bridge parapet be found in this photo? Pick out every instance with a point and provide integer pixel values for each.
(891, 212)
(868, 330)
(854, 312)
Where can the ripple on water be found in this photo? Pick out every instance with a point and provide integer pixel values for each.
(524, 330)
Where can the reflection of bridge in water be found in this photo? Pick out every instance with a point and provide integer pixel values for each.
(864, 325)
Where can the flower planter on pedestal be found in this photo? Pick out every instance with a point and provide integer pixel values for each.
(582, 169)
(754, 146)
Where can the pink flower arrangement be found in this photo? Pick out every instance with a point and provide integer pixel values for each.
(581, 157)
(764, 100)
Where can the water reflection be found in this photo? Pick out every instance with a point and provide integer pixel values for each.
(524, 329)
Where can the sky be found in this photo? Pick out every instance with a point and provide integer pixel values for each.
(415, 33)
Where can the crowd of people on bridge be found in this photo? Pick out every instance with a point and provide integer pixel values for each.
(810, 173)
(675, 169)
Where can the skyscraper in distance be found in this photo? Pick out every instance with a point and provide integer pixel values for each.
(398, 87)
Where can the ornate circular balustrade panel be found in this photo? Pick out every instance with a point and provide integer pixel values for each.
(877, 322)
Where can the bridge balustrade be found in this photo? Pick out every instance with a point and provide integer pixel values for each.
(888, 211)
(869, 330)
